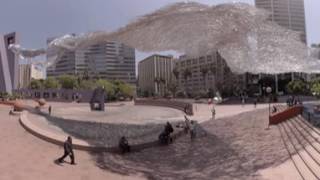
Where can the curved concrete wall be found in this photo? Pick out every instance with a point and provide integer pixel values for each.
(182, 106)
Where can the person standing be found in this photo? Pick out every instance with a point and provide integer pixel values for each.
(49, 110)
(68, 151)
(213, 111)
(243, 101)
(255, 102)
(187, 124)
(124, 145)
(192, 130)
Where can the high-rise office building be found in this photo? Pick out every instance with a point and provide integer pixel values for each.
(155, 74)
(108, 60)
(9, 64)
(287, 13)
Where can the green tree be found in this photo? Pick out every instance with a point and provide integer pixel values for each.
(68, 81)
(297, 87)
(51, 83)
(315, 89)
(108, 86)
(126, 90)
(36, 84)
(86, 84)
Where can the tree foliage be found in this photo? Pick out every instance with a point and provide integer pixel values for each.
(297, 87)
(108, 86)
(51, 83)
(114, 89)
(68, 82)
(36, 84)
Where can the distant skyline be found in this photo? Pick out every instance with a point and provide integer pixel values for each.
(36, 20)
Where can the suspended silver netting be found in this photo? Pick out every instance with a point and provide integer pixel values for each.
(240, 32)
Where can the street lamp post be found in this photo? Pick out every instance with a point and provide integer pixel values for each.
(268, 91)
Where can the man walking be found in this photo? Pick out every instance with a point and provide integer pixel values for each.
(68, 151)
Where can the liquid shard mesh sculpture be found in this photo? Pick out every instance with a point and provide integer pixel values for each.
(97, 99)
(240, 32)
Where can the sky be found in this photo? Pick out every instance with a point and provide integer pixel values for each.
(36, 20)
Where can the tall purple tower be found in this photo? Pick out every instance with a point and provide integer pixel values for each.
(9, 65)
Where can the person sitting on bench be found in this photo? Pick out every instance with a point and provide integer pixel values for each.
(168, 128)
(164, 138)
(124, 145)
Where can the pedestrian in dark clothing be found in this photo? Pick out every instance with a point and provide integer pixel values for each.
(49, 109)
(187, 124)
(164, 138)
(274, 109)
(124, 145)
(192, 130)
(186, 109)
(168, 128)
(68, 151)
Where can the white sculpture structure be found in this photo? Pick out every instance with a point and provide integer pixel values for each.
(240, 32)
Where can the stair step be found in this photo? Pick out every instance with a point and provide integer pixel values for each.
(304, 163)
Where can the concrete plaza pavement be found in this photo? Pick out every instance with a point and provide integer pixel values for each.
(24, 156)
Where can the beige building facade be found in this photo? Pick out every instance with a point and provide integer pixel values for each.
(155, 74)
(27, 72)
(37, 73)
(198, 75)
(24, 75)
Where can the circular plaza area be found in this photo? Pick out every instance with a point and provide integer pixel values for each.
(140, 124)
(235, 145)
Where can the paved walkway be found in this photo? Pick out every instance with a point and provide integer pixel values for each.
(26, 157)
(235, 148)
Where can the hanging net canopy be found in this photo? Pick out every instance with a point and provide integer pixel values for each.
(241, 33)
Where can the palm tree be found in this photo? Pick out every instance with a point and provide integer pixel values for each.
(173, 87)
(157, 81)
(186, 74)
(176, 73)
(204, 71)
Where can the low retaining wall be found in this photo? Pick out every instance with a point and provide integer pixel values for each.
(182, 106)
(310, 114)
(285, 115)
(81, 144)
